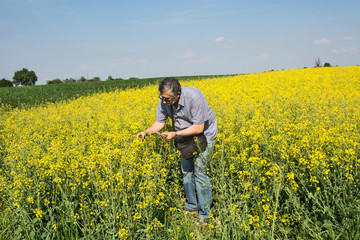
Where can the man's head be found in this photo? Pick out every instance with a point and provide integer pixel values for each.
(170, 90)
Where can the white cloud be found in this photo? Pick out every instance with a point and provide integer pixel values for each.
(84, 66)
(262, 57)
(321, 41)
(348, 38)
(347, 50)
(125, 61)
(114, 64)
(219, 39)
(192, 57)
(186, 55)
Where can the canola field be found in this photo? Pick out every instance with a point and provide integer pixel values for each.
(285, 165)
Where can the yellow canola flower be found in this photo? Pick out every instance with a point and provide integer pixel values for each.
(30, 200)
(38, 213)
(277, 130)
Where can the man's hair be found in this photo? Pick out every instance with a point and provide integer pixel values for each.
(171, 84)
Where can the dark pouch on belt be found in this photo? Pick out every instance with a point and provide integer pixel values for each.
(191, 145)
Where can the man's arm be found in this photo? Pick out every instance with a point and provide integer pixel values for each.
(192, 130)
(156, 127)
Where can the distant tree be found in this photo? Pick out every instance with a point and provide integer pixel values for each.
(327, 64)
(110, 78)
(55, 81)
(317, 62)
(82, 79)
(5, 83)
(24, 77)
(95, 79)
(71, 80)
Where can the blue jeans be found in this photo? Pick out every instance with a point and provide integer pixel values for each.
(197, 181)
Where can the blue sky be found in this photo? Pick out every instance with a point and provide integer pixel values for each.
(74, 38)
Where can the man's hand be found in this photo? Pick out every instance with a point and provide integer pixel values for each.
(141, 135)
(156, 127)
(169, 136)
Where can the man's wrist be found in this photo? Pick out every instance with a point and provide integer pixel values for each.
(176, 134)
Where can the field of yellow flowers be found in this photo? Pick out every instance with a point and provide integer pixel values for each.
(286, 164)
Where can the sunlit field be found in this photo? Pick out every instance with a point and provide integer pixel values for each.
(22, 97)
(285, 166)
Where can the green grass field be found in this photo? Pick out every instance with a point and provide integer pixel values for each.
(19, 97)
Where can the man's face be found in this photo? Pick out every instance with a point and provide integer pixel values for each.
(168, 99)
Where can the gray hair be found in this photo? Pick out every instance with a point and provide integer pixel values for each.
(171, 84)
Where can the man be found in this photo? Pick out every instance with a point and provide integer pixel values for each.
(191, 115)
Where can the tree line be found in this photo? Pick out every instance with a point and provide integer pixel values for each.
(83, 79)
(22, 77)
(25, 77)
(72, 80)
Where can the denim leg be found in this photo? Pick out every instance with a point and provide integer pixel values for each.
(202, 180)
(187, 168)
(197, 181)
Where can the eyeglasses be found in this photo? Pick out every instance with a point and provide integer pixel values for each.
(165, 99)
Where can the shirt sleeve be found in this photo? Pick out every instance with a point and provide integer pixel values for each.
(161, 114)
(199, 110)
